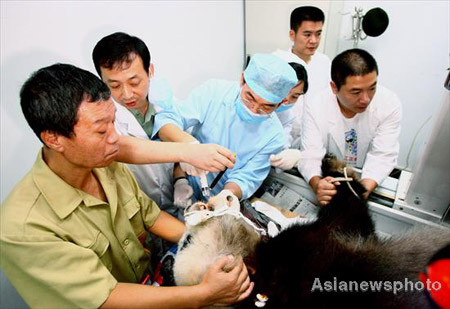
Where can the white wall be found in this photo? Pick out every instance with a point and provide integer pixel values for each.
(413, 58)
(190, 42)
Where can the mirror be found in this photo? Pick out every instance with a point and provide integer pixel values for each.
(412, 53)
(373, 23)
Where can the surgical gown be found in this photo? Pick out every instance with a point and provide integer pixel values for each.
(210, 112)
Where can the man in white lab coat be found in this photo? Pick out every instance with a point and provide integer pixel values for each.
(124, 64)
(306, 25)
(356, 120)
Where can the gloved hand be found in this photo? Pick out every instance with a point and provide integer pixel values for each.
(182, 193)
(225, 198)
(286, 159)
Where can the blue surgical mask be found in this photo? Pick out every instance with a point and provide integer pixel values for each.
(247, 115)
(284, 107)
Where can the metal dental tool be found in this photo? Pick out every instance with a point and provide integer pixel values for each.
(206, 192)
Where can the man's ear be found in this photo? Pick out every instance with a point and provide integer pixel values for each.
(292, 35)
(241, 81)
(52, 140)
(334, 88)
(101, 75)
(151, 70)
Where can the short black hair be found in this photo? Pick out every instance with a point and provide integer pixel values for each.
(119, 48)
(51, 97)
(352, 62)
(305, 13)
(302, 75)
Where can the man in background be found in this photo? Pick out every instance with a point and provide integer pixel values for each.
(306, 23)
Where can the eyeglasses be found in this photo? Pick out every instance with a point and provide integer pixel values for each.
(261, 108)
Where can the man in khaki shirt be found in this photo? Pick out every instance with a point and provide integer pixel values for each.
(72, 231)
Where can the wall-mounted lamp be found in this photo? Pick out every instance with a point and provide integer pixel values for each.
(373, 23)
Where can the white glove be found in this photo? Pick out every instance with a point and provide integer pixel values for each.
(182, 193)
(286, 159)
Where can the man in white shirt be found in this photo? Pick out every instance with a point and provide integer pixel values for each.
(124, 64)
(356, 120)
(306, 29)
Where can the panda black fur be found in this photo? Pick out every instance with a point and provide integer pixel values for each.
(340, 246)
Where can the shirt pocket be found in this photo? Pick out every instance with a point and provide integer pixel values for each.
(100, 247)
(132, 209)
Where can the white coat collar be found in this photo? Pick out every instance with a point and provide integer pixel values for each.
(335, 139)
(126, 123)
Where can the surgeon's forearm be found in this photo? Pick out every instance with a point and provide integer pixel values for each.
(142, 151)
(172, 133)
(233, 187)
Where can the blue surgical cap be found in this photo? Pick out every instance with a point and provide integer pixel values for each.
(270, 77)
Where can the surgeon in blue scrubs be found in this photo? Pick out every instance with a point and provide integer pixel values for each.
(239, 116)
